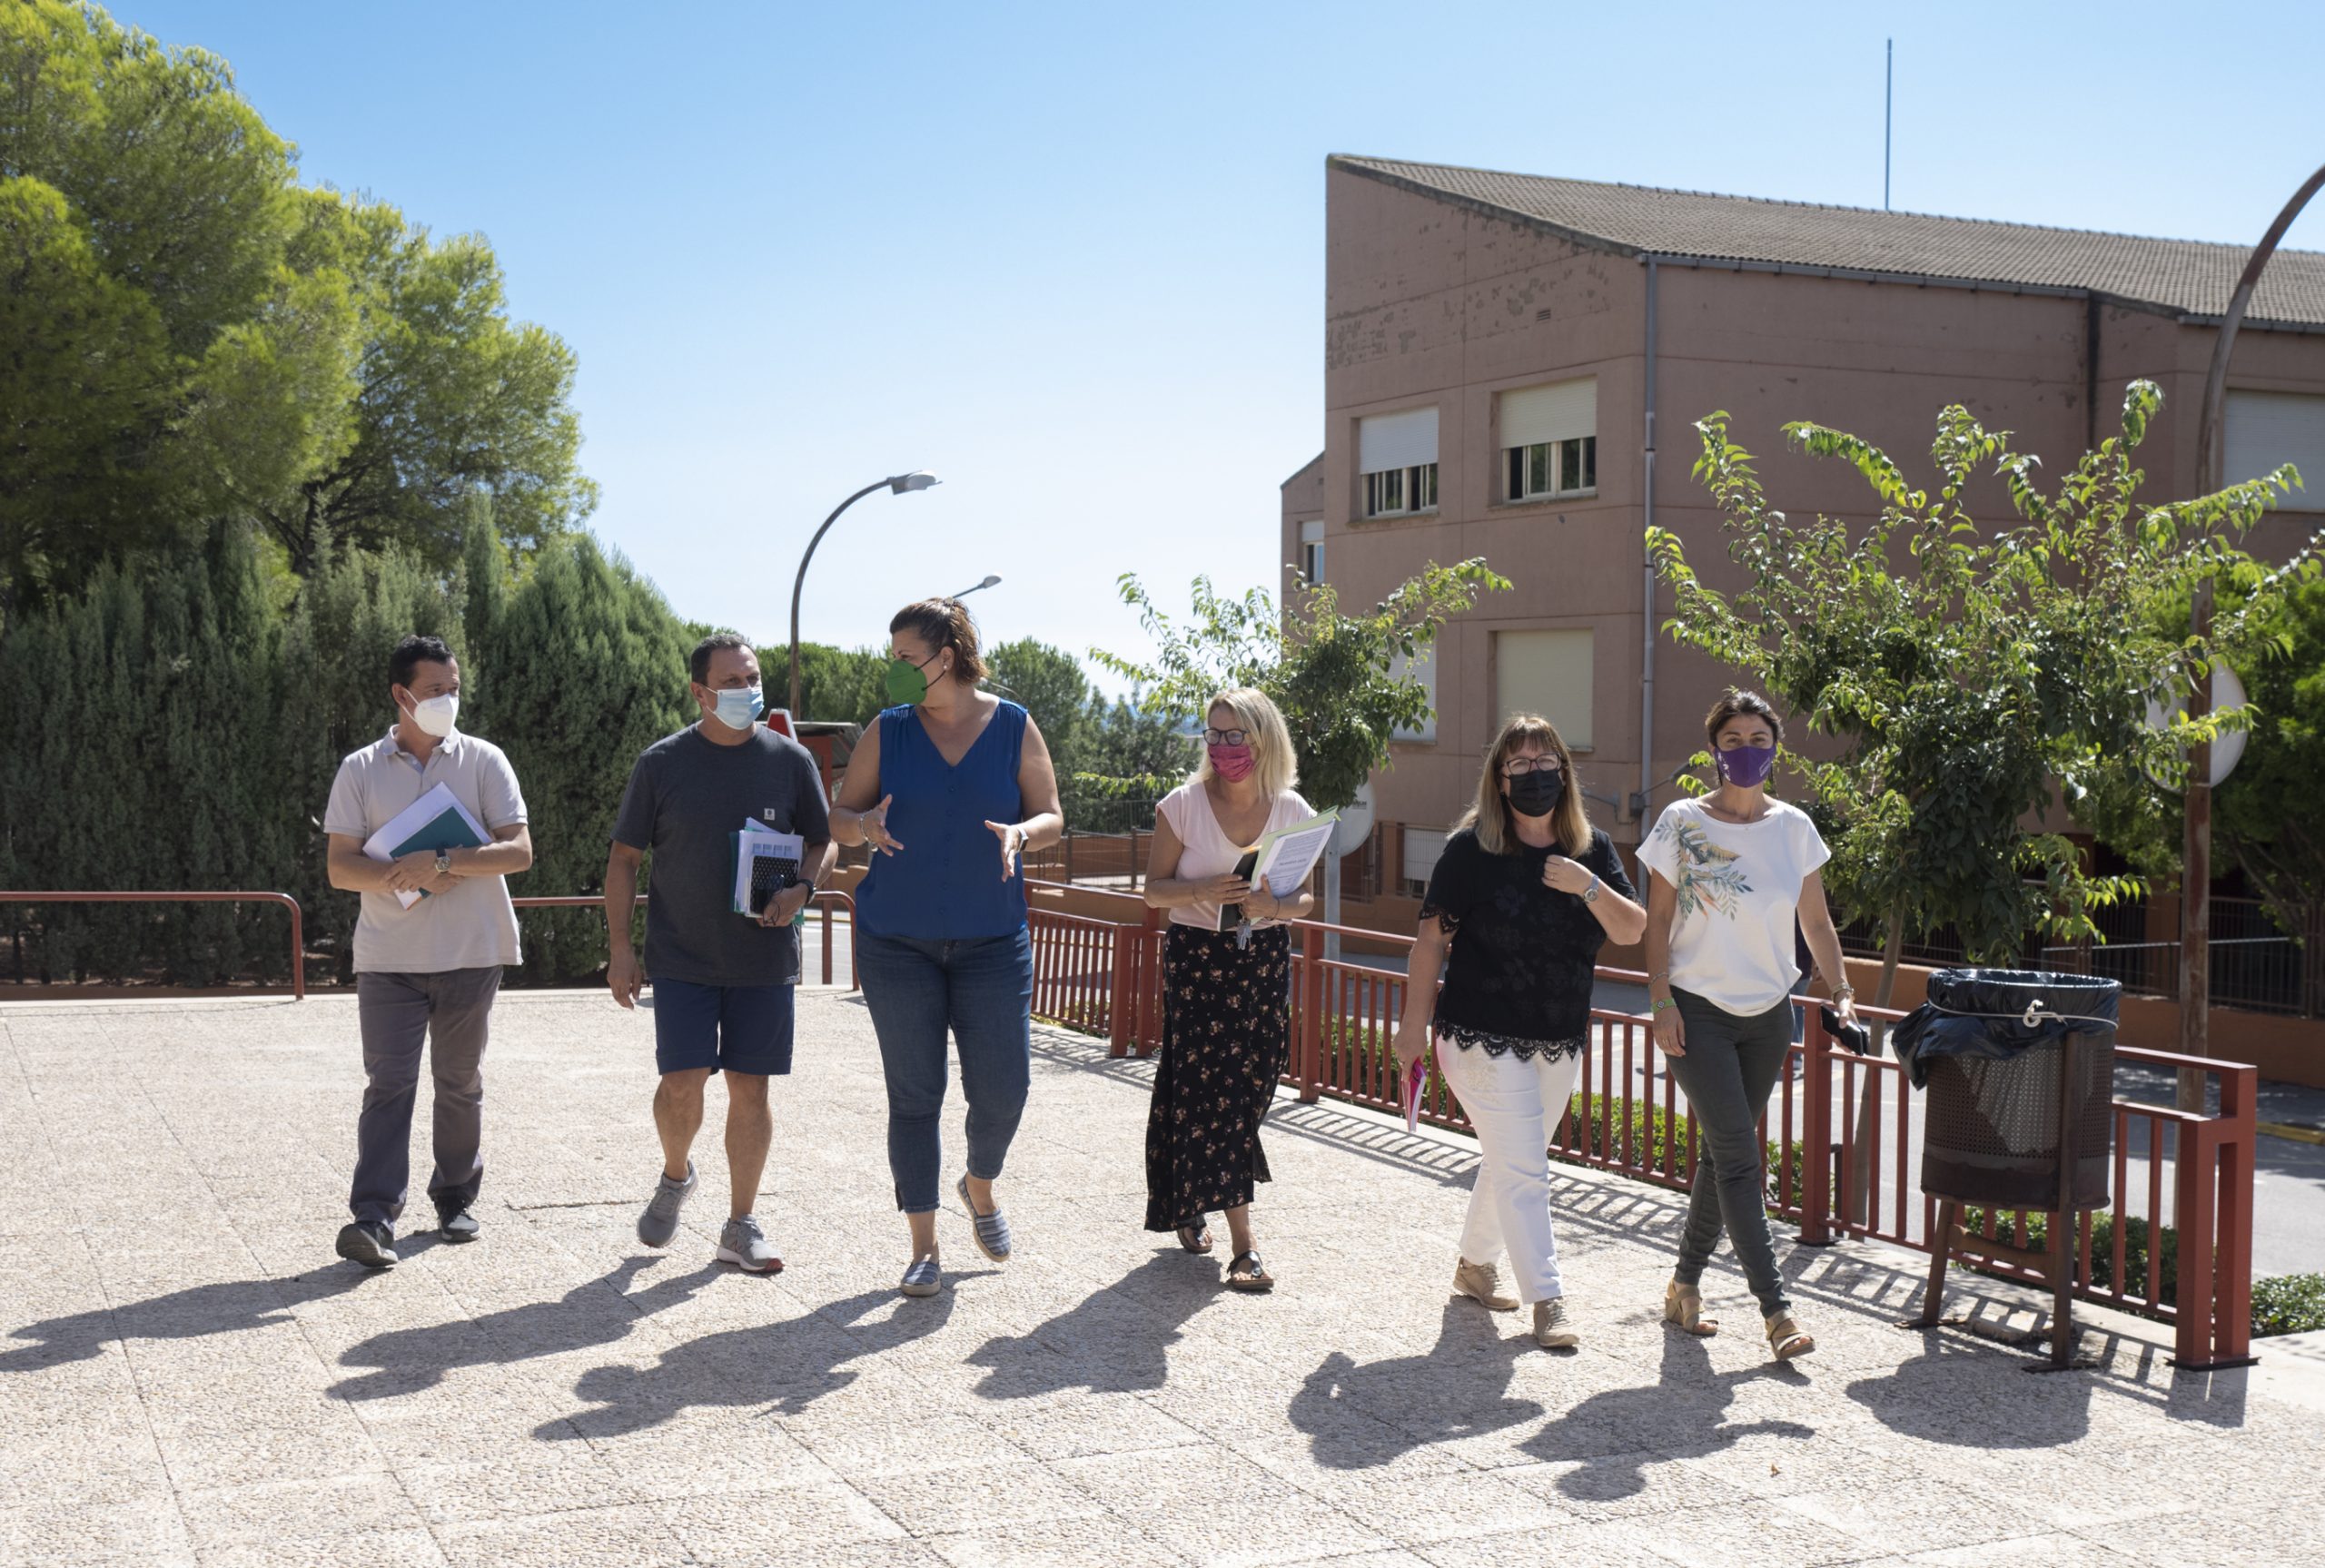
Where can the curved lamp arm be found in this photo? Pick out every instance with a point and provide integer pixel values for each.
(897, 484)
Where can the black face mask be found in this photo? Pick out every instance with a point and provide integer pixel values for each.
(1537, 793)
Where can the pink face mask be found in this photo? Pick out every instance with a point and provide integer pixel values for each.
(1233, 763)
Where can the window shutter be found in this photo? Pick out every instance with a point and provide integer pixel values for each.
(1422, 847)
(1547, 673)
(1399, 440)
(2266, 428)
(1532, 414)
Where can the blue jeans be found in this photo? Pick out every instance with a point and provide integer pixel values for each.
(982, 989)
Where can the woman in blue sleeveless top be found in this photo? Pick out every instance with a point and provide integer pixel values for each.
(948, 788)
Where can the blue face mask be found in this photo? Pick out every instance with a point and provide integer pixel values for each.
(739, 706)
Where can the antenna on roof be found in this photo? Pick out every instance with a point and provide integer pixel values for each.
(1888, 103)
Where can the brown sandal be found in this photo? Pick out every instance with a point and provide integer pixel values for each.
(1195, 1237)
(1786, 1338)
(1684, 1305)
(1255, 1278)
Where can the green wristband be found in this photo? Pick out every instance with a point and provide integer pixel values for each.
(1666, 1002)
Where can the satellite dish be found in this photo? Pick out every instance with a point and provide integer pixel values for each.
(2228, 691)
(1355, 823)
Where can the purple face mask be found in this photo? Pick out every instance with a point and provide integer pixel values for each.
(1745, 766)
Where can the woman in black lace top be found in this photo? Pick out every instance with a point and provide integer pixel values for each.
(1523, 897)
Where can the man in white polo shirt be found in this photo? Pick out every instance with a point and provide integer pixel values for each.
(430, 972)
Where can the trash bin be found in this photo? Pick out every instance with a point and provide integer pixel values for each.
(1992, 1048)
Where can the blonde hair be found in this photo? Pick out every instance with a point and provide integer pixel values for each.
(1491, 814)
(1270, 738)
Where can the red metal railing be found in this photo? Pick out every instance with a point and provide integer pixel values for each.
(1107, 975)
(298, 918)
(823, 901)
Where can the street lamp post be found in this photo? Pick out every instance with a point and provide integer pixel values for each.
(2196, 810)
(898, 484)
(990, 582)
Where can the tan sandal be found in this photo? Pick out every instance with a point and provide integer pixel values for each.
(1684, 1305)
(1787, 1337)
(1481, 1283)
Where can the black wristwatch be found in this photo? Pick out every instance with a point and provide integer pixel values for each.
(443, 862)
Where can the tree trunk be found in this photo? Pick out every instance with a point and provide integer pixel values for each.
(1856, 1189)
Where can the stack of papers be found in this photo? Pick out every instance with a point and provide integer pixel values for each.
(766, 862)
(1281, 859)
(437, 820)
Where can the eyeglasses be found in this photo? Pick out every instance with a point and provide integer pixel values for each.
(1224, 737)
(1519, 767)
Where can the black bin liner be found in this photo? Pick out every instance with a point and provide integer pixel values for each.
(1986, 1046)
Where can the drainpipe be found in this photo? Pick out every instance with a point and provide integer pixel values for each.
(1647, 581)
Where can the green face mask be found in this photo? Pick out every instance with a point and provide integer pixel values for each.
(907, 684)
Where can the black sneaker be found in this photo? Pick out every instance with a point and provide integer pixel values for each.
(369, 1243)
(459, 1226)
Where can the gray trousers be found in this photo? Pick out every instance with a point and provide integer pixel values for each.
(1727, 1073)
(449, 1010)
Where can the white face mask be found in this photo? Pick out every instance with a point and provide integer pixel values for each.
(435, 715)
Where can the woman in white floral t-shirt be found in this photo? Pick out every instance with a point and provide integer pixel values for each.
(1728, 873)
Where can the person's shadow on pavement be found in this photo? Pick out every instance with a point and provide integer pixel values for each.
(1115, 1340)
(1458, 1387)
(194, 1313)
(1946, 1394)
(599, 1311)
(779, 1368)
(1681, 1415)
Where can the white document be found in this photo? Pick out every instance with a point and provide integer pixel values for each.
(1287, 855)
(420, 825)
(766, 862)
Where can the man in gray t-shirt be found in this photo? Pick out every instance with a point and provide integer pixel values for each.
(722, 979)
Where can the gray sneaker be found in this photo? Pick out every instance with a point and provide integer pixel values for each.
(745, 1245)
(660, 1221)
(369, 1243)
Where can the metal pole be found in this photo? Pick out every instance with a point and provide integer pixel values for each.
(2196, 828)
(2196, 874)
(1888, 106)
(800, 581)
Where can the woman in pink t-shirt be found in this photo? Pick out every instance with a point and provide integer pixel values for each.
(1226, 979)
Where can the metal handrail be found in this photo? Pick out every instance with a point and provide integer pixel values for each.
(297, 916)
(598, 901)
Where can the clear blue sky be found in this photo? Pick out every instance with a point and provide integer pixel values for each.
(1071, 257)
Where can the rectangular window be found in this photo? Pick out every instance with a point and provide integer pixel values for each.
(1396, 491)
(1422, 667)
(1396, 455)
(1549, 438)
(1553, 468)
(1547, 673)
(1422, 847)
(2264, 430)
(1311, 551)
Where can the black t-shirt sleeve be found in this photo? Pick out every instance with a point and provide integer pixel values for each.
(634, 822)
(1607, 861)
(1452, 885)
(811, 815)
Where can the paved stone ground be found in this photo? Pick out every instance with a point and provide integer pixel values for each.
(188, 1375)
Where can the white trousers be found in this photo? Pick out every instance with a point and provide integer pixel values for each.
(1515, 1105)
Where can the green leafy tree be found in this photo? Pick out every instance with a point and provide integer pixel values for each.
(1330, 672)
(192, 335)
(1123, 740)
(842, 686)
(1966, 672)
(585, 667)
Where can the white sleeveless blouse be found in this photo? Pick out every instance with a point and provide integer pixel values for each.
(1207, 851)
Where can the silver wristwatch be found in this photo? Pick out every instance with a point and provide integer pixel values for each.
(443, 861)
(1590, 894)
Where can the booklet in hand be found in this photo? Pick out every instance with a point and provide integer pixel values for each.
(766, 862)
(437, 820)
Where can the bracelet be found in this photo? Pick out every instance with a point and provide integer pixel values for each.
(1844, 991)
(1666, 1002)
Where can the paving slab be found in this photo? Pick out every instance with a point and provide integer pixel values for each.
(188, 1374)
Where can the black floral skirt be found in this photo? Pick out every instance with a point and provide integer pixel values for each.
(1226, 1038)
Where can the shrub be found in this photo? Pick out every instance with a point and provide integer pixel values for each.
(2288, 1303)
(2103, 1247)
